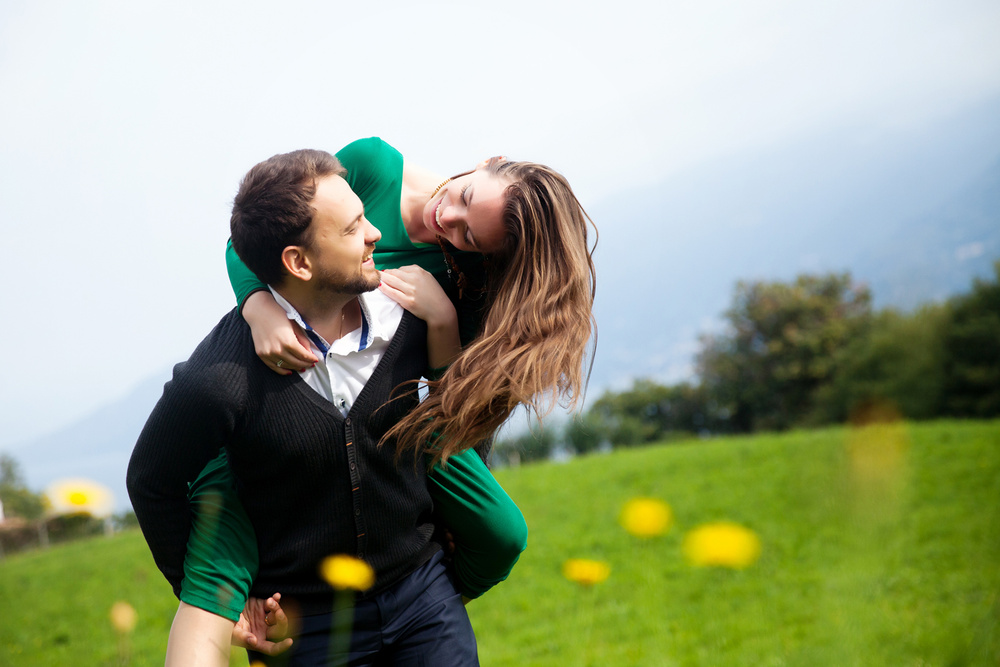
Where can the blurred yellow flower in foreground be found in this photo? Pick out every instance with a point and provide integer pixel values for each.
(586, 572)
(347, 572)
(877, 451)
(123, 617)
(646, 517)
(724, 544)
(78, 495)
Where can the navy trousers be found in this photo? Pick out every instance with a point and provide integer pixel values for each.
(418, 622)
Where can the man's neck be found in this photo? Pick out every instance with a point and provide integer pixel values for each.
(330, 314)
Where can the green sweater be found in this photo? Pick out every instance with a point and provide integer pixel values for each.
(488, 528)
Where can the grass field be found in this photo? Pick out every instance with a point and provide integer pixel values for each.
(880, 547)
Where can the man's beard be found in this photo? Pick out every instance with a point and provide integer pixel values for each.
(358, 284)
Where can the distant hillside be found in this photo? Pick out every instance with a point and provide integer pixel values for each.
(915, 215)
(937, 254)
(97, 447)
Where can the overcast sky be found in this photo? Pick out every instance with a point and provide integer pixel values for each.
(127, 126)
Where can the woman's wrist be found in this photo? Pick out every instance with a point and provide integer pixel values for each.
(258, 307)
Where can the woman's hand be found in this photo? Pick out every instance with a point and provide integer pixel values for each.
(279, 342)
(261, 622)
(419, 292)
(416, 290)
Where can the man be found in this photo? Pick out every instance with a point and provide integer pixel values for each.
(303, 448)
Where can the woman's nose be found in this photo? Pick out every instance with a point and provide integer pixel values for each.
(448, 217)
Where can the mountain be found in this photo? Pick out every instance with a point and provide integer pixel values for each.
(97, 447)
(913, 212)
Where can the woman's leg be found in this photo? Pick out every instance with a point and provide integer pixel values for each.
(220, 565)
(489, 529)
(198, 638)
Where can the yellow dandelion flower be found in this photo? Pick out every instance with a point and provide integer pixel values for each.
(722, 544)
(123, 617)
(77, 495)
(877, 451)
(646, 517)
(586, 572)
(346, 572)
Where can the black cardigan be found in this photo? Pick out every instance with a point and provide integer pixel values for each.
(313, 482)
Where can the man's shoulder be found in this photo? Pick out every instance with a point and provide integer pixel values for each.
(222, 360)
(229, 339)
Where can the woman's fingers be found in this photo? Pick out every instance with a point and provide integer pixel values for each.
(397, 280)
(291, 354)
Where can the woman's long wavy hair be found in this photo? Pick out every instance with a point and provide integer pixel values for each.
(532, 348)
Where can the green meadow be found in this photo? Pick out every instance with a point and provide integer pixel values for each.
(880, 546)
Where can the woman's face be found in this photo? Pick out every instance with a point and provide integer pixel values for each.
(467, 212)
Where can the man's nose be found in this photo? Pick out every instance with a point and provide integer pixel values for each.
(372, 234)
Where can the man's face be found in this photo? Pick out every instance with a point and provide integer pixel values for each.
(342, 240)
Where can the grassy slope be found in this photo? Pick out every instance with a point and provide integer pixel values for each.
(891, 557)
(898, 565)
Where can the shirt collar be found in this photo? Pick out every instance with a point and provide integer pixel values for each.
(374, 313)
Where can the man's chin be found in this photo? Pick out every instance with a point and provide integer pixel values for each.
(367, 283)
(359, 285)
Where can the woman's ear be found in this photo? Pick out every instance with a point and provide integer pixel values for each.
(296, 262)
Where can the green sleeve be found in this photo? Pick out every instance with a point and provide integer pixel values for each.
(244, 281)
(489, 529)
(221, 561)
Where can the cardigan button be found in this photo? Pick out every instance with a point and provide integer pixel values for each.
(347, 421)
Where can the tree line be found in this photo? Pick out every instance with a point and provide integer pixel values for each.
(805, 353)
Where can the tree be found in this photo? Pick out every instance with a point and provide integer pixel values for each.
(649, 412)
(973, 351)
(17, 499)
(535, 445)
(781, 345)
(586, 432)
(898, 362)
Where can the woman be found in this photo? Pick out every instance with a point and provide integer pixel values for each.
(530, 305)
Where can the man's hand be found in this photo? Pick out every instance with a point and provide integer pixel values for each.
(261, 622)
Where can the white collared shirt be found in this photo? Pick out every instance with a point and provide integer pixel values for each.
(346, 365)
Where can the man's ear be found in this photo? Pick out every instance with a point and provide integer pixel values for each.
(297, 262)
(496, 158)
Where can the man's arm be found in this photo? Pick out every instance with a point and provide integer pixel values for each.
(187, 428)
